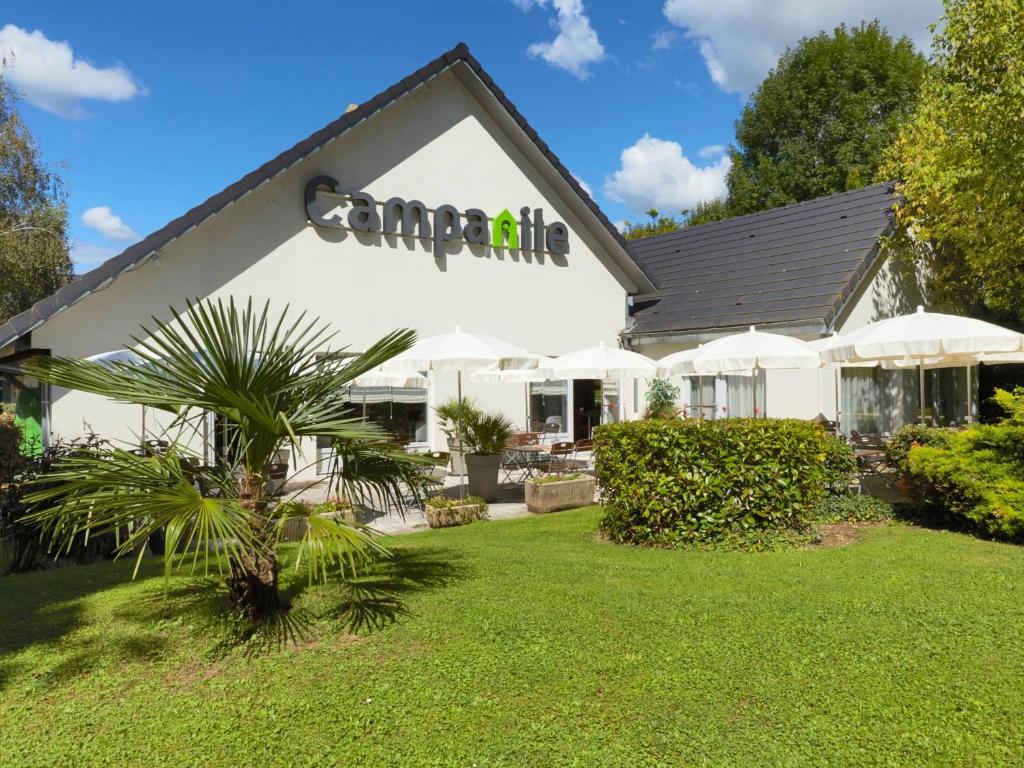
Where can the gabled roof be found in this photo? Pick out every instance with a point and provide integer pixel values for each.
(136, 255)
(794, 266)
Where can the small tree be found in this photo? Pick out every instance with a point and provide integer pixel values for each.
(34, 260)
(961, 160)
(662, 395)
(270, 383)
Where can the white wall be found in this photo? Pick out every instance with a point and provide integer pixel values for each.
(437, 145)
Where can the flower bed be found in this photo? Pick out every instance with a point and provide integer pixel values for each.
(442, 512)
(554, 492)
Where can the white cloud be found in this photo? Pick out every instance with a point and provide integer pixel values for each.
(663, 39)
(86, 256)
(655, 173)
(49, 76)
(108, 224)
(711, 150)
(576, 46)
(741, 40)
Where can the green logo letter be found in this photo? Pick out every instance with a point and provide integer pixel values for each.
(505, 231)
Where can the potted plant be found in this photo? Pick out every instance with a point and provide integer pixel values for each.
(455, 417)
(443, 512)
(486, 437)
(553, 492)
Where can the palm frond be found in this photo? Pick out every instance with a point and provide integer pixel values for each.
(329, 541)
(138, 496)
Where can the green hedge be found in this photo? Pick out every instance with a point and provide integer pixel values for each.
(910, 436)
(974, 479)
(680, 481)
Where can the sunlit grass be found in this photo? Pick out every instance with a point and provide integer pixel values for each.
(531, 642)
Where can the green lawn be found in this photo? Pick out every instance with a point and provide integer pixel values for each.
(528, 642)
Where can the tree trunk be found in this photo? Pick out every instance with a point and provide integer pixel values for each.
(252, 583)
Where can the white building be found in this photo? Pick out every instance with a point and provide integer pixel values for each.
(448, 151)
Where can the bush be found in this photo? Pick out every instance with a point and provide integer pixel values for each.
(684, 481)
(858, 508)
(840, 465)
(974, 479)
(911, 435)
(661, 399)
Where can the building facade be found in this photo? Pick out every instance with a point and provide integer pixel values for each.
(435, 205)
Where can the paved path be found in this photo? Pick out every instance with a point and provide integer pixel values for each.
(510, 504)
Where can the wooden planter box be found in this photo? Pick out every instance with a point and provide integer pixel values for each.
(445, 517)
(561, 494)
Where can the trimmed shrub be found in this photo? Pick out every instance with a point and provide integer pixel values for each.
(840, 465)
(974, 480)
(673, 481)
(909, 436)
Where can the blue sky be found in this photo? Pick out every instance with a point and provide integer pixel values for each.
(147, 109)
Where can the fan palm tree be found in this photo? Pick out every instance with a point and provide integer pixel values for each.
(271, 383)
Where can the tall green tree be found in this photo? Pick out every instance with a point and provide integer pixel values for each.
(821, 120)
(267, 378)
(34, 259)
(961, 160)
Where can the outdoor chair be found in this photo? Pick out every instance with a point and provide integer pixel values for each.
(562, 458)
(869, 450)
(439, 465)
(551, 429)
(586, 446)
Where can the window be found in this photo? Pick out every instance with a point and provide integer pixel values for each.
(876, 400)
(402, 411)
(549, 404)
(698, 394)
(745, 395)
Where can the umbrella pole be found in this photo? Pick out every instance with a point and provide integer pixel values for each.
(920, 391)
(143, 427)
(364, 403)
(458, 442)
(753, 393)
(970, 397)
(839, 379)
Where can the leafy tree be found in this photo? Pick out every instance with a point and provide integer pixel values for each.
(706, 211)
(34, 260)
(961, 160)
(702, 213)
(269, 381)
(820, 121)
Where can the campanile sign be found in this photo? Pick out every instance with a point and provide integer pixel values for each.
(412, 218)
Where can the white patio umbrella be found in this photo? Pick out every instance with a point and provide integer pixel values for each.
(603, 362)
(380, 378)
(922, 335)
(125, 357)
(927, 339)
(753, 351)
(463, 353)
(524, 376)
(678, 363)
(496, 375)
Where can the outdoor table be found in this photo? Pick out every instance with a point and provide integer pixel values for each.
(529, 457)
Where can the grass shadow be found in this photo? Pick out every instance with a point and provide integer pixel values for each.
(379, 594)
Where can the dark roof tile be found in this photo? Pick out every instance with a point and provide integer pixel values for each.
(795, 264)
